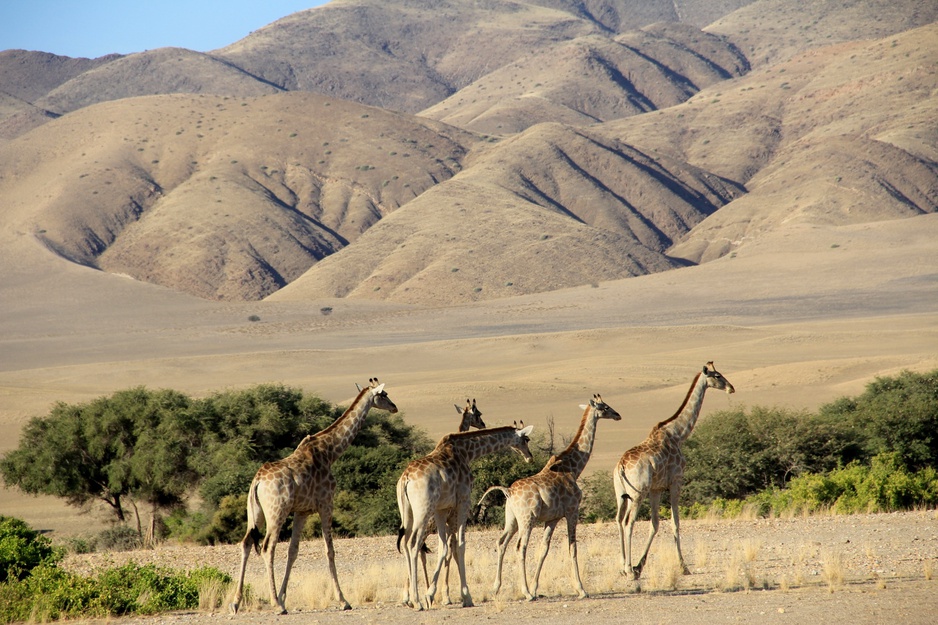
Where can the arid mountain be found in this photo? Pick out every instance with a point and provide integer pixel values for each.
(29, 75)
(592, 79)
(560, 143)
(166, 70)
(219, 197)
(840, 135)
(770, 31)
(553, 207)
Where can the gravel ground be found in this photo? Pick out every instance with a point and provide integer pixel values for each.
(875, 568)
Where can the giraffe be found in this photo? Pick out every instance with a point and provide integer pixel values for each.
(548, 496)
(471, 418)
(440, 485)
(301, 484)
(657, 464)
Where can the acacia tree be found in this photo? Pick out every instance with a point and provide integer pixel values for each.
(119, 449)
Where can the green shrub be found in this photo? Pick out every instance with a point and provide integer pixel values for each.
(51, 593)
(599, 498)
(22, 549)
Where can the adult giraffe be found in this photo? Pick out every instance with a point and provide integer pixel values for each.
(301, 484)
(471, 417)
(440, 485)
(657, 464)
(548, 496)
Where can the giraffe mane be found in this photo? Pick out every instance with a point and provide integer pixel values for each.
(680, 409)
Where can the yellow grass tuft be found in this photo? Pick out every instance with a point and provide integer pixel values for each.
(832, 562)
(212, 595)
(663, 571)
(739, 572)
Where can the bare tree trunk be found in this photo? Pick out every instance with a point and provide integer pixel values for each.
(137, 516)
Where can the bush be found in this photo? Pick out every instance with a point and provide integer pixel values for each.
(882, 486)
(22, 549)
(51, 593)
(898, 415)
(599, 498)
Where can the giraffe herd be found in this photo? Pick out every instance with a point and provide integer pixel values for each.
(434, 492)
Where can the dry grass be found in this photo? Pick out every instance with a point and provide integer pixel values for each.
(832, 568)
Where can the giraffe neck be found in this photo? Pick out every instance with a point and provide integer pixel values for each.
(472, 445)
(577, 454)
(680, 426)
(336, 438)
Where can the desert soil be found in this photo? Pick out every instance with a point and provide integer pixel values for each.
(876, 568)
(792, 325)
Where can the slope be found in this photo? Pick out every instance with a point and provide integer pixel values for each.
(593, 78)
(838, 135)
(218, 197)
(553, 207)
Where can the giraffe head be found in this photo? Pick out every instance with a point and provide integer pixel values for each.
(716, 380)
(603, 410)
(471, 417)
(521, 443)
(380, 398)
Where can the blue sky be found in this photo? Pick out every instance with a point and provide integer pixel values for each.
(93, 28)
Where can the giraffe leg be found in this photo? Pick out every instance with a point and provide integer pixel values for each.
(525, 537)
(267, 550)
(654, 501)
(443, 530)
(571, 538)
(676, 526)
(299, 521)
(445, 600)
(545, 547)
(460, 554)
(325, 518)
(631, 516)
(511, 526)
(623, 501)
(247, 543)
(412, 549)
(622, 509)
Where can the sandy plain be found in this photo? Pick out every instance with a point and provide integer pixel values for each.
(799, 319)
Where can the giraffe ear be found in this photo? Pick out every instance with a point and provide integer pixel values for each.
(458, 409)
(378, 389)
(358, 386)
(583, 406)
(526, 431)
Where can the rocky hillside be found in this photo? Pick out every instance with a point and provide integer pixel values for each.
(446, 152)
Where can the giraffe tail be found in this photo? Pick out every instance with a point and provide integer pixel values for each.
(481, 507)
(254, 512)
(403, 507)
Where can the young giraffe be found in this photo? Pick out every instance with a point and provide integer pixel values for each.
(657, 464)
(471, 418)
(301, 484)
(440, 484)
(550, 495)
